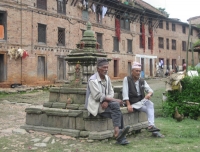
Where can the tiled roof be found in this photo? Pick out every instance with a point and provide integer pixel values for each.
(149, 7)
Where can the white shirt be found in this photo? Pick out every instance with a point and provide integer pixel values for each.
(126, 89)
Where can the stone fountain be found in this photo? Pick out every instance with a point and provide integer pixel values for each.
(65, 112)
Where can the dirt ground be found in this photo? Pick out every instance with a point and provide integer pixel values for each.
(12, 116)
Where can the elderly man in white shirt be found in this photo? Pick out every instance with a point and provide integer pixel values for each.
(99, 100)
(134, 89)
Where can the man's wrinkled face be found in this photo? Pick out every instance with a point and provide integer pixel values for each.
(103, 70)
(136, 73)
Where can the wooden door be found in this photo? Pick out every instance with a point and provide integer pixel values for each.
(41, 68)
(2, 68)
(151, 67)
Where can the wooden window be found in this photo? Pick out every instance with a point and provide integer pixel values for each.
(173, 27)
(161, 24)
(183, 29)
(100, 40)
(125, 24)
(61, 36)
(141, 46)
(41, 33)
(167, 25)
(115, 44)
(116, 68)
(167, 44)
(3, 24)
(129, 46)
(42, 4)
(161, 42)
(149, 43)
(173, 44)
(61, 6)
(183, 45)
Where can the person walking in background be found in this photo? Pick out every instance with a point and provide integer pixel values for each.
(184, 66)
(176, 68)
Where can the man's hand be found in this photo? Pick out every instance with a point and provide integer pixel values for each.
(148, 96)
(120, 101)
(130, 109)
(104, 105)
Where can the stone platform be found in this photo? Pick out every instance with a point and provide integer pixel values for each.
(65, 114)
(77, 123)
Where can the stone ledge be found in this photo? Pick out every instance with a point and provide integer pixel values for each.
(96, 135)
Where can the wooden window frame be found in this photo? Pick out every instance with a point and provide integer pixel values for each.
(183, 29)
(173, 27)
(115, 46)
(129, 46)
(161, 42)
(4, 24)
(42, 30)
(61, 39)
(42, 4)
(173, 44)
(167, 44)
(167, 25)
(61, 6)
(160, 24)
(100, 35)
(183, 45)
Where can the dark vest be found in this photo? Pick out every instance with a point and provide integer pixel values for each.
(132, 91)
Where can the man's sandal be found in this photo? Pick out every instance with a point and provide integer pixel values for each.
(152, 129)
(123, 141)
(122, 133)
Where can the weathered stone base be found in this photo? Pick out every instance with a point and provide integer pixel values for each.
(77, 123)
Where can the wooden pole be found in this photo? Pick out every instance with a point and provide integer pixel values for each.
(192, 55)
(188, 47)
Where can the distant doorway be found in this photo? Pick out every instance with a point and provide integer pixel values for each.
(151, 67)
(41, 68)
(142, 64)
(2, 68)
(61, 69)
(116, 68)
(129, 68)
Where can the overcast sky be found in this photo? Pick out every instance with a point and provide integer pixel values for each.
(181, 9)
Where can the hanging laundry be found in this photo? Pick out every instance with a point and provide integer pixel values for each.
(104, 10)
(25, 54)
(94, 8)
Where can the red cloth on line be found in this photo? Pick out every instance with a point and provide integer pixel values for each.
(117, 28)
(25, 54)
(151, 41)
(143, 36)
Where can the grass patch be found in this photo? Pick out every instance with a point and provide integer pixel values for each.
(179, 136)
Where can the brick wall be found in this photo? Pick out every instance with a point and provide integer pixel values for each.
(25, 70)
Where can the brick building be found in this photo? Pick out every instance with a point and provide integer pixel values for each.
(48, 30)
